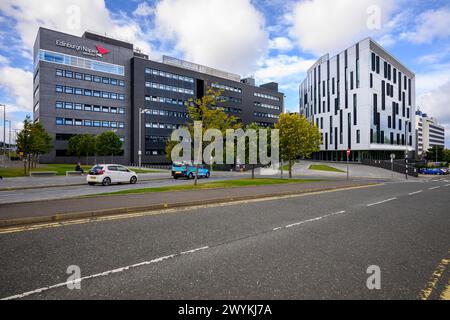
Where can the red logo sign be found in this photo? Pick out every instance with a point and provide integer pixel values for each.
(102, 51)
(348, 152)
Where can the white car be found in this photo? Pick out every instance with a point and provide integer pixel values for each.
(111, 173)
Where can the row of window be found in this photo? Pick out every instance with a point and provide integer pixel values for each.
(165, 100)
(161, 86)
(264, 124)
(89, 77)
(89, 123)
(167, 113)
(266, 96)
(67, 136)
(265, 115)
(230, 99)
(267, 106)
(157, 125)
(225, 87)
(88, 107)
(90, 93)
(156, 139)
(168, 75)
(79, 62)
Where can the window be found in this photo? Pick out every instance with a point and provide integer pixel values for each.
(87, 92)
(114, 96)
(78, 106)
(97, 79)
(113, 110)
(113, 124)
(68, 122)
(59, 88)
(87, 77)
(96, 123)
(114, 82)
(105, 95)
(59, 121)
(105, 109)
(121, 125)
(88, 123)
(78, 76)
(121, 111)
(59, 105)
(68, 90)
(358, 136)
(68, 74)
(87, 107)
(371, 80)
(97, 109)
(59, 72)
(96, 94)
(78, 122)
(105, 80)
(105, 124)
(68, 105)
(79, 62)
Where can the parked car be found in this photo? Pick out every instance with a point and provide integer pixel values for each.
(187, 170)
(107, 174)
(432, 171)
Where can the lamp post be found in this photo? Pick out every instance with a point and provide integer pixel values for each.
(4, 134)
(406, 148)
(141, 111)
(9, 140)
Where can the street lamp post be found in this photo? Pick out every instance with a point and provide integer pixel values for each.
(4, 134)
(9, 140)
(406, 149)
(141, 111)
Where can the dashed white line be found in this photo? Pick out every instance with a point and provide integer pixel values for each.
(434, 188)
(103, 274)
(309, 220)
(380, 202)
(413, 193)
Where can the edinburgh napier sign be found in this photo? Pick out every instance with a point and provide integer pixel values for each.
(97, 52)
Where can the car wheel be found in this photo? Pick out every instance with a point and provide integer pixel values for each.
(133, 180)
(106, 182)
(207, 175)
(191, 176)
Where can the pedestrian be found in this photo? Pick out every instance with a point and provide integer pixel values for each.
(78, 168)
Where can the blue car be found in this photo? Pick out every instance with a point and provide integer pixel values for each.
(185, 170)
(432, 171)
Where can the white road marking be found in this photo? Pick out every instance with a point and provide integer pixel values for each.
(413, 193)
(434, 188)
(103, 274)
(380, 202)
(309, 220)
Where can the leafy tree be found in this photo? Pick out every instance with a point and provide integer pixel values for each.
(249, 145)
(298, 138)
(436, 153)
(108, 144)
(24, 141)
(82, 145)
(41, 142)
(446, 155)
(206, 110)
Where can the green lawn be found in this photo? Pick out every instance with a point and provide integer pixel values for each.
(322, 167)
(59, 168)
(212, 185)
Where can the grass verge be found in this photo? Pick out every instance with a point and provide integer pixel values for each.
(322, 167)
(210, 185)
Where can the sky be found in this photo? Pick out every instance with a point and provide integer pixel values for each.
(272, 40)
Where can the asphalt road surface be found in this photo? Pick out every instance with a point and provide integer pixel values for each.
(307, 247)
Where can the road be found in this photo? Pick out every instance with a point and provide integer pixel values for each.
(307, 247)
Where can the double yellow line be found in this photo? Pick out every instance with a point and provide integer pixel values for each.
(434, 280)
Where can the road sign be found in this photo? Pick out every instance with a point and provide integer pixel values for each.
(393, 156)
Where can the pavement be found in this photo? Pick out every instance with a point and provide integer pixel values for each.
(319, 246)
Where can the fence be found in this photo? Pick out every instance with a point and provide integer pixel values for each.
(398, 166)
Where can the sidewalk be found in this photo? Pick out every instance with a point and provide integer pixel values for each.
(64, 209)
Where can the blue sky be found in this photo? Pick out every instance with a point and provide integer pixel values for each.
(272, 40)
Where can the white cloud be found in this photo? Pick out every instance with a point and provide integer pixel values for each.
(283, 69)
(430, 25)
(281, 44)
(143, 10)
(228, 35)
(65, 16)
(323, 26)
(387, 40)
(438, 75)
(3, 60)
(18, 84)
(436, 103)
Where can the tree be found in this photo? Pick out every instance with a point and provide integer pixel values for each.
(298, 138)
(24, 141)
(206, 110)
(249, 145)
(108, 144)
(41, 142)
(435, 154)
(82, 145)
(446, 155)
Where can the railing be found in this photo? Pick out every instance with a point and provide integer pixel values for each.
(398, 166)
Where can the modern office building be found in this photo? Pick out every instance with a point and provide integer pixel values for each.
(92, 84)
(362, 99)
(429, 133)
